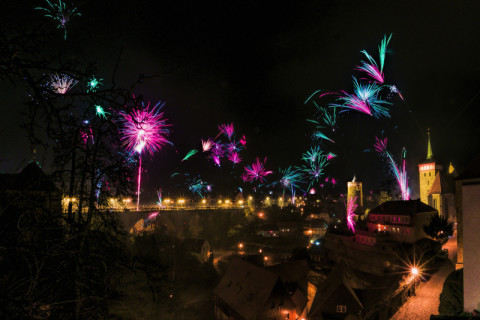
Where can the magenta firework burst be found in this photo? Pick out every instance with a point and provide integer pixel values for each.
(145, 129)
(351, 207)
(256, 172)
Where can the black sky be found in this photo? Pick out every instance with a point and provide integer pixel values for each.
(255, 63)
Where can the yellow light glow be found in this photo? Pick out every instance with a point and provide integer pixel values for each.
(219, 201)
(204, 201)
(240, 201)
(240, 245)
(250, 198)
(227, 201)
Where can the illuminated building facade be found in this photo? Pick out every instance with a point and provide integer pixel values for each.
(355, 190)
(427, 170)
(468, 237)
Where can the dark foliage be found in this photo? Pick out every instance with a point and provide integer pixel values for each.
(439, 228)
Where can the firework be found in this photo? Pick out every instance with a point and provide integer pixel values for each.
(100, 112)
(369, 93)
(226, 129)
(144, 128)
(291, 178)
(331, 155)
(234, 157)
(62, 83)
(197, 186)
(59, 13)
(189, 154)
(243, 141)
(312, 154)
(351, 207)
(371, 67)
(400, 173)
(319, 135)
(256, 172)
(394, 89)
(314, 169)
(232, 146)
(217, 152)
(93, 84)
(207, 145)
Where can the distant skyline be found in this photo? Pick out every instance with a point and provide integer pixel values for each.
(254, 64)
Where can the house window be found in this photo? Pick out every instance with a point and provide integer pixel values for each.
(429, 174)
(341, 308)
(435, 203)
(424, 174)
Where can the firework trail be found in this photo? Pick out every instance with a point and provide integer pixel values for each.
(291, 178)
(62, 83)
(394, 89)
(144, 129)
(59, 13)
(190, 154)
(93, 84)
(400, 173)
(256, 172)
(319, 135)
(351, 207)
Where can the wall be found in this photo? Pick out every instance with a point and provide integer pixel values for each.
(471, 244)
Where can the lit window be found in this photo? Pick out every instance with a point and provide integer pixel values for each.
(341, 308)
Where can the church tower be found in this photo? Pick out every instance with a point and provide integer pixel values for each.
(355, 190)
(427, 170)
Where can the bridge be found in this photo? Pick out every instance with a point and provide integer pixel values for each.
(172, 218)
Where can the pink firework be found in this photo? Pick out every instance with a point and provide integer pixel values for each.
(145, 129)
(216, 159)
(380, 145)
(256, 171)
(243, 141)
(226, 129)
(207, 145)
(331, 155)
(234, 157)
(351, 207)
(61, 84)
(351, 101)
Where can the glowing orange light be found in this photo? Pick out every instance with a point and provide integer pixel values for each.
(414, 271)
(240, 245)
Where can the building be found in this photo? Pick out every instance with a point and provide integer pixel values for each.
(355, 190)
(250, 292)
(468, 237)
(30, 189)
(336, 298)
(401, 220)
(436, 186)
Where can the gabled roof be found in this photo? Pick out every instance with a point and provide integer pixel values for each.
(292, 272)
(337, 278)
(31, 178)
(440, 185)
(402, 207)
(246, 287)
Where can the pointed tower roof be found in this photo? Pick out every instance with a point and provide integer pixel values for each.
(429, 148)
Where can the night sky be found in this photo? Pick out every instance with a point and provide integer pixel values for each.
(254, 63)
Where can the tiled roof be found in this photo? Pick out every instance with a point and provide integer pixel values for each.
(246, 287)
